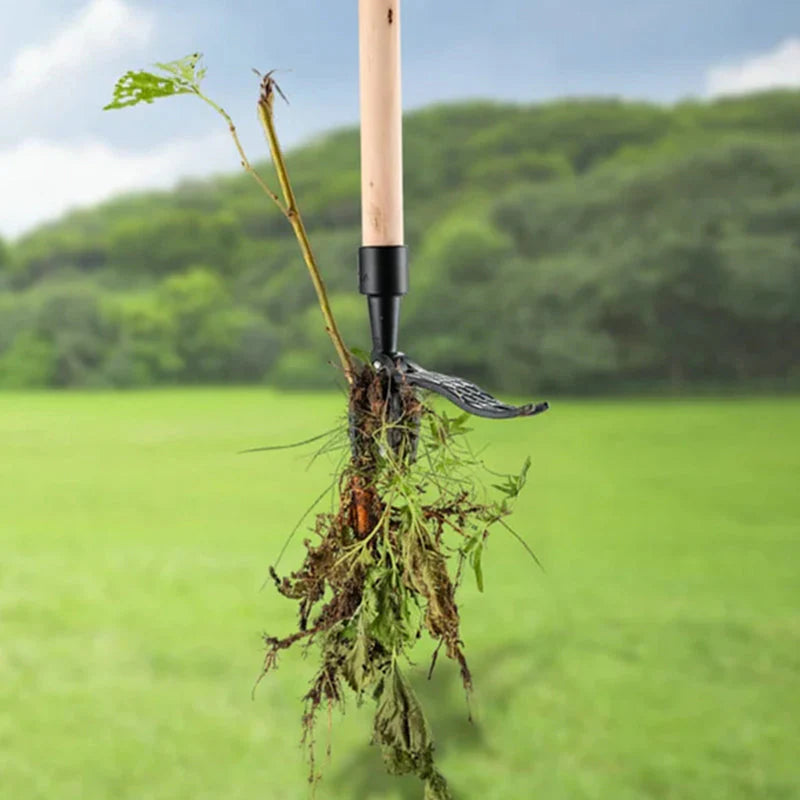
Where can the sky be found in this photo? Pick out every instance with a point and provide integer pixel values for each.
(59, 60)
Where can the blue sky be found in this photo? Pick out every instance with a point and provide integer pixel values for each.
(59, 59)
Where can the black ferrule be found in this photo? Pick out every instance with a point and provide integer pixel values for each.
(383, 277)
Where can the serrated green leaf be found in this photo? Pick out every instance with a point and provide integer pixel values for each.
(400, 727)
(356, 666)
(403, 734)
(177, 77)
(184, 69)
(388, 618)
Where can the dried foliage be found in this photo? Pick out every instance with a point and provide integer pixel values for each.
(384, 568)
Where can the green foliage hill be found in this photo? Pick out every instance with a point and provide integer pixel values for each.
(587, 245)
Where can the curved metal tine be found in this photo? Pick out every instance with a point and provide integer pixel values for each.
(467, 396)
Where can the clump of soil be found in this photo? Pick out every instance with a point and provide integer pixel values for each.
(377, 573)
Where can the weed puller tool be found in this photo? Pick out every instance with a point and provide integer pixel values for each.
(383, 257)
(382, 568)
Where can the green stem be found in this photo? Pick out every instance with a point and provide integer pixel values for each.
(288, 207)
(242, 155)
(295, 219)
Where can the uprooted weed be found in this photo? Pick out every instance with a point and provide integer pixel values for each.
(377, 572)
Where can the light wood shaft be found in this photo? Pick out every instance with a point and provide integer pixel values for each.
(381, 122)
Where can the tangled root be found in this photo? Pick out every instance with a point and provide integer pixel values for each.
(376, 572)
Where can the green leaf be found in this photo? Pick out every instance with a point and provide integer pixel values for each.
(476, 565)
(388, 616)
(459, 424)
(403, 734)
(436, 788)
(176, 77)
(360, 354)
(356, 667)
(514, 484)
(400, 727)
(185, 70)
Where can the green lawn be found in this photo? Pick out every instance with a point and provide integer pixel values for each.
(658, 657)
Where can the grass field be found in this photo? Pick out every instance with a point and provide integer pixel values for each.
(658, 657)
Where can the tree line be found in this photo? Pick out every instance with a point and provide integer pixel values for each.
(576, 246)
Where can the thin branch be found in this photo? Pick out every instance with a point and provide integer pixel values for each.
(292, 212)
(184, 77)
(248, 167)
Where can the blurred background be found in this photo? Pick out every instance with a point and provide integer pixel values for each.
(603, 208)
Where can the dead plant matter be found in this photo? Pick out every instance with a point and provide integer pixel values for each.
(385, 566)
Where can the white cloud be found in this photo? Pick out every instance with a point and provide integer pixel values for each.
(41, 179)
(779, 67)
(100, 31)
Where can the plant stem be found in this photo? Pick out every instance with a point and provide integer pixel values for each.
(295, 219)
(288, 208)
(242, 155)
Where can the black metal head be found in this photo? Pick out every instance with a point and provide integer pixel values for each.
(383, 277)
(464, 394)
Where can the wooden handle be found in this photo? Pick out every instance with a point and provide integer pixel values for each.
(381, 122)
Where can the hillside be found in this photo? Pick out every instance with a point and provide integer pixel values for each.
(572, 246)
